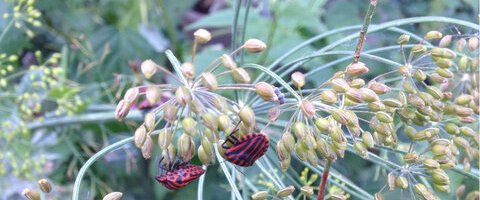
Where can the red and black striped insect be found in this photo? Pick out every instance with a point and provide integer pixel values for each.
(247, 150)
(178, 175)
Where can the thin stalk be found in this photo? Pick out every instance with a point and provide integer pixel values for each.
(363, 32)
(200, 184)
(321, 188)
(6, 30)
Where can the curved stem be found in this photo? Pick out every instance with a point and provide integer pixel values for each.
(5, 31)
(98, 155)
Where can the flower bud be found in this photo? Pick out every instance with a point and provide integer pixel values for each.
(131, 95)
(260, 195)
(403, 39)
(185, 147)
(153, 94)
(203, 156)
(170, 112)
(228, 62)
(442, 188)
(113, 196)
(419, 49)
(45, 185)
(340, 116)
(285, 192)
(433, 35)
(300, 130)
(209, 81)
(440, 177)
(301, 151)
(273, 114)
(357, 83)
(247, 116)
(122, 110)
(473, 43)
(306, 190)
(463, 99)
(419, 75)
(288, 141)
(443, 53)
(149, 121)
(322, 124)
(392, 103)
(210, 121)
(460, 44)
(383, 117)
(202, 36)
(378, 88)
(354, 95)
(443, 62)
(326, 150)
(183, 96)
(460, 191)
(298, 79)
(189, 126)
(188, 70)
(241, 75)
(149, 68)
(444, 72)
(357, 69)
(445, 41)
(147, 148)
(140, 136)
(254, 46)
(430, 163)
(361, 149)
(340, 85)
(376, 106)
(410, 158)
(266, 91)
(368, 95)
(401, 182)
(308, 109)
(164, 139)
(328, 96)
(224, 122)
(368, 139)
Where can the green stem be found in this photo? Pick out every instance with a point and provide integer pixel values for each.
(6, 30)
(98, 155)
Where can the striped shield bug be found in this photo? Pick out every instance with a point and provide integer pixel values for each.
(178, 175)
(246, 150)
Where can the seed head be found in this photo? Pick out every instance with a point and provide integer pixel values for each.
(189, 126)
(183, 96)
(140, 136)
(188, 70)
(285, 192)
(247, 116)
(210, 121)
(357, 69)
(254, 46)
(266, 91)
(306, 190)
(228, 62)
(378, 88)
(170, 112)
(298, 79)
(445, 41)
(149, 121)
(45, 185)
(209, 81)
(328, 96)
(149, 68)
(308, 109)
(122, 110)
(153, 94)
(433, 35)
(473, 43)
(202, 36)
(241, 75)
(403, 39)
(113, 196)
(340, 85)
(164, 139)
(147, 147)
(401, 182)
(261, 195)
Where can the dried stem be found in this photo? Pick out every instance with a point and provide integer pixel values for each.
(321, 189)
(363, 32)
